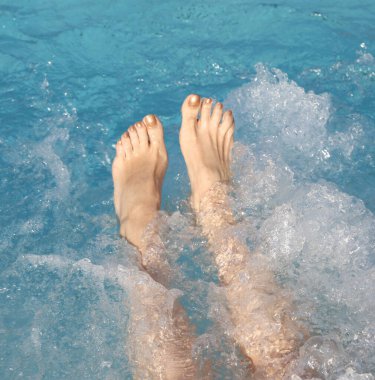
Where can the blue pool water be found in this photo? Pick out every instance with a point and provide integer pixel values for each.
(300, 78)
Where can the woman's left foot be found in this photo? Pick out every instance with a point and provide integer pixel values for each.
(138, 171)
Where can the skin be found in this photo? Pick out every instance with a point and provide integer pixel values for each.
(206, 144)
(259, 311)
(138, 171)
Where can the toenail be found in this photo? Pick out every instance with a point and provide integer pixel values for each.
(194, 100)
(150, 120)
(138, 125)
(230, 113)
(219, 105)
(208, 101)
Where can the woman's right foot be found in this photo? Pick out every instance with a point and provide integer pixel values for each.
(138, 171)
(206, 144)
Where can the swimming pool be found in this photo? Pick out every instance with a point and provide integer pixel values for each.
(300, 78)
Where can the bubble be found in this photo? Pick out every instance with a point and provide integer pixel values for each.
(318, 239)
(351, 374)
(283, 115)
(287, 123)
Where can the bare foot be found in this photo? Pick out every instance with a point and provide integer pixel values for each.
(138, 171)
(206, 144)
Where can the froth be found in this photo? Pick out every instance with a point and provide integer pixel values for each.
(283, 112)
(318, 239)
(284, 121)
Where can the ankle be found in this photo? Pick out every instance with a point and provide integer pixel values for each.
(199, 190)
(133, 226)
(214, 211)
(207, 190)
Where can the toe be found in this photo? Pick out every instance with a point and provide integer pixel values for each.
(154, 130)
(126, 143)
(205, 113)
(215, 120)
(190, 108)
(134, 138)
(119, 150)
(227, 122)
(142, 134)
(217, 114)
(228, 144)
(225, 125)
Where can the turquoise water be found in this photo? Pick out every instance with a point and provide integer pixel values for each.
(300, 77)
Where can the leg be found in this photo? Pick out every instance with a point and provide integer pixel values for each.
(260, 314)
(162, 348)
(138, 171)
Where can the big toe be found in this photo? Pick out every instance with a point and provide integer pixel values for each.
(190, 107)
(154, 129)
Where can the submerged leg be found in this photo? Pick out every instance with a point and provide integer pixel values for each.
(162, 332)
(138, 171)
(260, 313)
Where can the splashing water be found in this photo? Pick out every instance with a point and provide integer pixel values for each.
(317, 239)
(74, 301)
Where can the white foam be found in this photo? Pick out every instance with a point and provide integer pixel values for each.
(260, 180)
(319, 240)
(286, 122)
(351, 374)
(282, 112)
